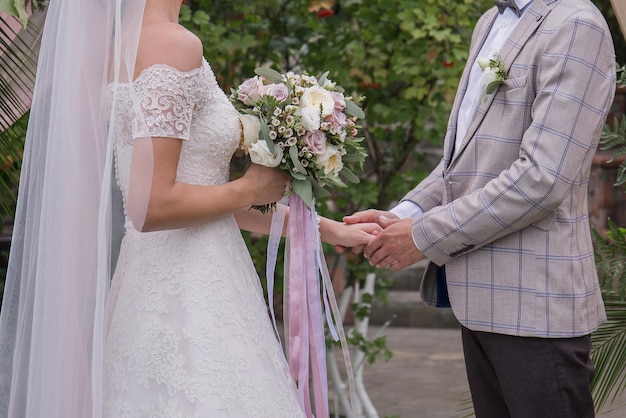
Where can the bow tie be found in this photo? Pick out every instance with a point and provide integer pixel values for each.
(503, 4)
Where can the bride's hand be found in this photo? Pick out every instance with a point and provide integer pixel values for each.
(345, 235)
(266, 185)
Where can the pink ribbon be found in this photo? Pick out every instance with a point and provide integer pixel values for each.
(306, 342)
(276, 230)
(305, 294)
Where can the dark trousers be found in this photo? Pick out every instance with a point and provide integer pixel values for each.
(522, 377)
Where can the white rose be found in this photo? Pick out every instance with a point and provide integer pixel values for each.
(310, 118)
(330, 160)
(260, 154)
(482, 62)
(489, 75)
(251, 126)
(319, 98)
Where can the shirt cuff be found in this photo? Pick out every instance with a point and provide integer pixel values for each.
(407, 209)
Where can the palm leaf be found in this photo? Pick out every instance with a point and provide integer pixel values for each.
(614, 138)
(11, 146)
(609, 340)
(609, 356)
(18, 55)
(19, 48)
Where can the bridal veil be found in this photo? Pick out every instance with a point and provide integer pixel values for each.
(69, 213)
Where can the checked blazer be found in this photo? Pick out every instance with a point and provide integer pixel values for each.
(507, 214)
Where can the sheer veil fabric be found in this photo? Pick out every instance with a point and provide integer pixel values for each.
(63, 248)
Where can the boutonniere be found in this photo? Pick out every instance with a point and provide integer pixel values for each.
(494, 73)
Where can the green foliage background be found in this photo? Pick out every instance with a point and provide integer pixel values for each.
(405, 57)
(608, 353)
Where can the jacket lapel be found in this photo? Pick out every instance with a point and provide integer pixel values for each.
(475, 47)
(528, 24)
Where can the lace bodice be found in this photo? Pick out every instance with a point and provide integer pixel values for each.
(187, 329)
(166, 102)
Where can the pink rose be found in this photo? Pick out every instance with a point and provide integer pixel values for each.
(338, 118)
(249, 91)
(316, 142)
(340, 102)
(278, 91)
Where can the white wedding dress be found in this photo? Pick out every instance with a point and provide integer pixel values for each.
(187, 331)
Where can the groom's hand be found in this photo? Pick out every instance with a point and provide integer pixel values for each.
(368, 216)
(394, 247)
(365, 216)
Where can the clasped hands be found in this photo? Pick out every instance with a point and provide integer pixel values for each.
(392, 246)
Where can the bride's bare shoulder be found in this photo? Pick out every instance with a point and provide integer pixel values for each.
(169, 44)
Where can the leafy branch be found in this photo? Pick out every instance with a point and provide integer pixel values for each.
(610, 258)
(614, 138)
(609, 340)
(373, 349)
(609, 356)
(621, 73)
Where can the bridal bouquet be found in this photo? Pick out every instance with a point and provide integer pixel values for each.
(303, 125)
(307, 127)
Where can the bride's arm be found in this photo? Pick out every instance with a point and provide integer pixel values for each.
(331, 232)
(174, 204)
(341, 234)
(156, 200)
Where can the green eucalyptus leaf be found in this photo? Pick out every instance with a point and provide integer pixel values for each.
(493, 86)
(295, 159)
(269, 74)
(298, 176)
(353, 109)
(322, 79)
(304, 189)
(318, 191)
(351, 158)
(264, 134)
(335, 181)
(349, 175)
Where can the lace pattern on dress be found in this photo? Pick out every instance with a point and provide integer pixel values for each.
(188, 331)
(167, 100)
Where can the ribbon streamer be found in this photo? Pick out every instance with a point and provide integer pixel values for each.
(304, 315)
(337, 330)
(276, 231)
(302, 304)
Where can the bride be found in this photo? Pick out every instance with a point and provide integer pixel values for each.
(182, 330)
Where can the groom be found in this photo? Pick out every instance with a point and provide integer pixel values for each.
(505, 212)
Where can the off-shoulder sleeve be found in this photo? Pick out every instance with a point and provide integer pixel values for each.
(165, 102)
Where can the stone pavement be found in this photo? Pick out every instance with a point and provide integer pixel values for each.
(425, 378)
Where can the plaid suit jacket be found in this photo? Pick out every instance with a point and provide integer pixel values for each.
(507, 215)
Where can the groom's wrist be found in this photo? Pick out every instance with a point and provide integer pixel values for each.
(406, 209)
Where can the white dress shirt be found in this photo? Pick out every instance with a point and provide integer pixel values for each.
(502, 28)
